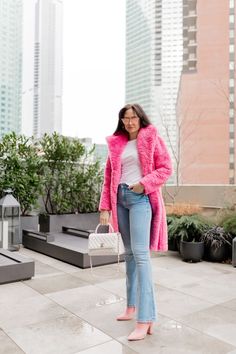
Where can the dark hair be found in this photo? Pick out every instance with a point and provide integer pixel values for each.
(144, 120)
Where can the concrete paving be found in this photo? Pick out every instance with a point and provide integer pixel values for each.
(67, 310)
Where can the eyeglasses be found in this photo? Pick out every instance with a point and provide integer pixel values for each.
(133, 119)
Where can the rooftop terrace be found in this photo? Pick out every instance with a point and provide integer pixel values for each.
(68, 310)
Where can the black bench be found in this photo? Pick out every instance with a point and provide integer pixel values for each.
(70, 230)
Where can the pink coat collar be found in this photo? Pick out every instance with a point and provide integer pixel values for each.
(148, 133)
(146, 141)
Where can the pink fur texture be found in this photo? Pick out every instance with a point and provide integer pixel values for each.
(156, 168)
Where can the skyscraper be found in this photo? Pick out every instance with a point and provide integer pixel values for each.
(10, 65)
(47, 116)
(154, 57)
(206, 102)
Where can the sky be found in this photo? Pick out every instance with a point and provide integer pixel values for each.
(93, 67)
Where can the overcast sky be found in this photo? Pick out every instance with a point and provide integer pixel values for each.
(93, 67)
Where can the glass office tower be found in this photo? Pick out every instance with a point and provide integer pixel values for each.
(10, 66)
(47, 115)
(154, 59)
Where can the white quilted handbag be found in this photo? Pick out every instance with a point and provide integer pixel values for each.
(105, 244)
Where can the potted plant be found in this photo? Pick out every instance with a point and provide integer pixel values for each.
(174, 213)
(218, 244)
(173, 244)
(188, 230)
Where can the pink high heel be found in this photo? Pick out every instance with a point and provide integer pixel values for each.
(150, 329)
(127, 315)
(141, 330)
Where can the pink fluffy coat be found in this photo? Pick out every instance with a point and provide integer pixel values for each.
(156, 168)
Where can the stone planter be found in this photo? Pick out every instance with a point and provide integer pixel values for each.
(172, 245)
(234, 252)
(54, 223)
(29, 222)
(217, 254)
(191, 251)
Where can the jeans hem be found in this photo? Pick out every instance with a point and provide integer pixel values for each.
(146, 321)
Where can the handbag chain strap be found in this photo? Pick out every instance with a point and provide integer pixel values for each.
(110, 228)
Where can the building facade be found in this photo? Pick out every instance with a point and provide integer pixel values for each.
(47, 105)
(206, 101)
(154, 58)
(10, 66)
(101, 153)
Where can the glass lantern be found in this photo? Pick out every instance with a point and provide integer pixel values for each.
(9, 222)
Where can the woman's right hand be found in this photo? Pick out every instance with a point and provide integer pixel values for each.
(104, 217)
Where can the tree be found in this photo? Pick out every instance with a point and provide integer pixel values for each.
(183, 134)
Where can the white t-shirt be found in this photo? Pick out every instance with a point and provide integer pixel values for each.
(130, 165)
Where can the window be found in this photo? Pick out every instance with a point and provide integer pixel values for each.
(231, 97)
(231, 173)
(231, 158)
(231, 65)
(231, 19)
(231, 33)
(231, 112)
(231, 4)
(231, 48)
(231, 82)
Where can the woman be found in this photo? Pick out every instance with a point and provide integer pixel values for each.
(137, 166)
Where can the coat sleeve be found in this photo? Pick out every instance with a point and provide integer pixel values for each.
(162, 168)
(105, 199)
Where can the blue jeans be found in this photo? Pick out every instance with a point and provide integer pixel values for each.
(134, 219)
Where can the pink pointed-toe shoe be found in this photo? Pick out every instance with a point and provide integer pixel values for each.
(141, 330)
(127, 315)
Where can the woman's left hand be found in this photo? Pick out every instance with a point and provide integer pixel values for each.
(137, 188)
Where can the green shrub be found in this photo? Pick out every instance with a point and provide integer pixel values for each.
(171, 226)
(19, 170)
(187, 227)
(57, 168)
(86, 193)
(71, 181)
(229, 224)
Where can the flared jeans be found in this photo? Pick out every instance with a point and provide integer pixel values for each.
(134, 219)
